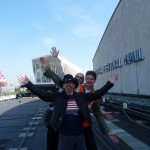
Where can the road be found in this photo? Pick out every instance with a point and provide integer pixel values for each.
(21, 127)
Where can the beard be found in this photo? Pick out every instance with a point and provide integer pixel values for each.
(69, 89)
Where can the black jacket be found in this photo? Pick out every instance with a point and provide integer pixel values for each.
(60, 102)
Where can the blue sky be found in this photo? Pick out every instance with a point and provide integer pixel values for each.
(29, 28)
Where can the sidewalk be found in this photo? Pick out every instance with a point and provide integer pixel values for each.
(8, 97)
(127, 138)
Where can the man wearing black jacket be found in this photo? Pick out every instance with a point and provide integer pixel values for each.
(70, 109)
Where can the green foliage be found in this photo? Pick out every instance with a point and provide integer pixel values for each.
(7, 93)
(12, 93)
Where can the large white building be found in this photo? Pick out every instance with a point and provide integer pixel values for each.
(125, 49)
(68, 68)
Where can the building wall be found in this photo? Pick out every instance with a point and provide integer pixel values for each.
(38, 70)
(127, 35)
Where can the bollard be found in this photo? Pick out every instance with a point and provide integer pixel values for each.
(103, 99)
(125, 105)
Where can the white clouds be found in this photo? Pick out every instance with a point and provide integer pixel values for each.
(86, 31)
(68, 25)
(48, 42)
(81, 21)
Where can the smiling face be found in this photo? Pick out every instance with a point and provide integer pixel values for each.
(69, 86)
(80, 78)
(90, 80)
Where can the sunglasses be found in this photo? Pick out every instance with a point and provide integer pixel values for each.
(78, 77)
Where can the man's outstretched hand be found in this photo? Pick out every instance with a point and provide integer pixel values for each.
(113, 137)
(107, 115)
(113, 78)
(54, 52)
(44, 62)
(23, 79)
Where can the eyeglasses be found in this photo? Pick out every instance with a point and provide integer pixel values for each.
(78, 77)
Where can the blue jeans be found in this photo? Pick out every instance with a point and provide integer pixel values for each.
(75, 142)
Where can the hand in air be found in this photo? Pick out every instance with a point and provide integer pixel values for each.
(23, 79)
(113, 78)
(44, 62)
(54, 52)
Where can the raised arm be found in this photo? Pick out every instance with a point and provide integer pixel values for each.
(48, 72)
(57, 61)
(99, 117)
(99, 93)
(52, 75)
(45, 96)
(101, 122)
(108, 115)
(44, 63)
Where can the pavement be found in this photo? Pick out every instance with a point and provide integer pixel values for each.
(21, 128)
(132, 134)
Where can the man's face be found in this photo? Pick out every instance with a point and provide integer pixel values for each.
(68, 86)
(89, 79)
(80, 78)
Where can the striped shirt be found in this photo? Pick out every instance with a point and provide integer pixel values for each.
(72, 123)
(72, 107)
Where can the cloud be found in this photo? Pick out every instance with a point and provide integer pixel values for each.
(48, 42)
(85, 22)
(86, 31)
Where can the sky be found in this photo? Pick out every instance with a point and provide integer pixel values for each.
(29, 28)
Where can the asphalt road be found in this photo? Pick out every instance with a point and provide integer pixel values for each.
(21, 127)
